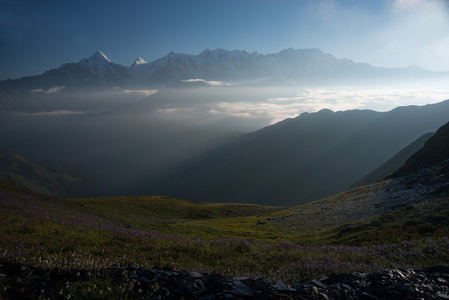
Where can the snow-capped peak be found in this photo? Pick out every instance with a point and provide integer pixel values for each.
(95, 59)
(98, 55)
(139, 61)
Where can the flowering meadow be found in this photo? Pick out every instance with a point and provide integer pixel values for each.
(55, 233)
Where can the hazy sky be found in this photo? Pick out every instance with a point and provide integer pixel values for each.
(38, 35)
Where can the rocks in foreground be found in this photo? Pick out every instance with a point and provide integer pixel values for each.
(30, 282)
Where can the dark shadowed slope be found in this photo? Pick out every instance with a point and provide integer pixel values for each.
(393, 163)
(299, 160)
(409, 204)
(43, 177)
(431, 163)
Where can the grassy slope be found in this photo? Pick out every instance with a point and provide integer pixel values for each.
(69, 234)
(340, 219)
(44, 177)
(290, 244)
(412, 222)
(179, 217)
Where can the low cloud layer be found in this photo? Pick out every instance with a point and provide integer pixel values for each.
(52, 90)
(206, 81)
(312, 100)
(134, 92)
(55, 113)
(121, 136)
(265, 106)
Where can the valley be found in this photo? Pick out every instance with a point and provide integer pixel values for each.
(276, 126)
(203, 187)
(399, 223)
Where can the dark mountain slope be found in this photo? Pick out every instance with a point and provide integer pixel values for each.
(393, 163)
(42, 177)
(434, 154)
(299, 160)
(427, 171)
(423, 178)
(255, 167)
(410, 203)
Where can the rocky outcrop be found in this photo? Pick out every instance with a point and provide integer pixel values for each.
(19, 281)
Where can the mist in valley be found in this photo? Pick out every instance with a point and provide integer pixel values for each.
(122, 138)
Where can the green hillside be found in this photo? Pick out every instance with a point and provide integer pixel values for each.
(174, 216)
(44, 177)
(289, 244)
(335, 220)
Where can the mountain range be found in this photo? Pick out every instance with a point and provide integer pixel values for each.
(299, 160)
(346, 192)
(149, 145)
(300, 66)
(292, 162)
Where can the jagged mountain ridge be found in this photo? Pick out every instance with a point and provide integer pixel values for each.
(298, 65)
(93, 72)
(88, 75)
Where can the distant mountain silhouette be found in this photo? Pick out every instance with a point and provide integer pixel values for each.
(89, 73)
(299, 160)
(298, 66)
